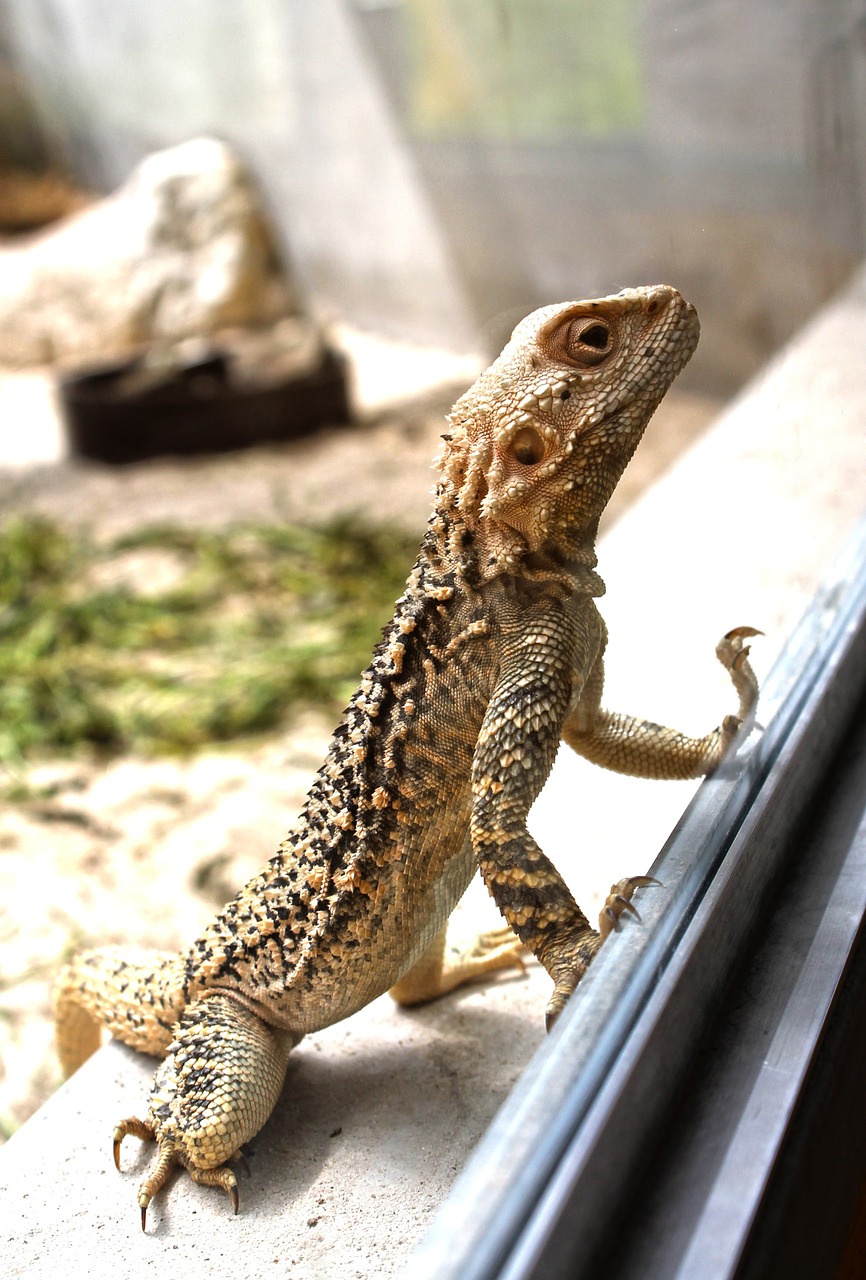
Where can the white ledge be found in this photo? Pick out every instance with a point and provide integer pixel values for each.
(379, 1113)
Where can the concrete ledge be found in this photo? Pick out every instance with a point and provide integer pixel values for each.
(380, 1112)
(377, 1117)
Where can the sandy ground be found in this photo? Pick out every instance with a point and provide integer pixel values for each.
(144, 851)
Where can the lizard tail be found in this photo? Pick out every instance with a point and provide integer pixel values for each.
(137, 997)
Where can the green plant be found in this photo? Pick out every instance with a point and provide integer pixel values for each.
(254, 621)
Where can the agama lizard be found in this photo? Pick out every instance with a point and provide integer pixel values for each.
(493, 655)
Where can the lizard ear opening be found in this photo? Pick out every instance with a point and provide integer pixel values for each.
(527, 446)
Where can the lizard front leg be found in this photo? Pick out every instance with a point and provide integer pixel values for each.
(513, 757)
(642, 749)
(216, 1088)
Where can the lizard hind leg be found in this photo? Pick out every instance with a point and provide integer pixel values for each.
(214, 1091)
(443, 967)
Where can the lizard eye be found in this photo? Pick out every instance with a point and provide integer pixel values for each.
(588, 340)
(583, 340)
(597, 335)
(528, 446)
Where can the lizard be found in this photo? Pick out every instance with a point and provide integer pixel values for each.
(493, 656)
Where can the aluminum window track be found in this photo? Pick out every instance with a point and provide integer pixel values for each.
(651, 1132)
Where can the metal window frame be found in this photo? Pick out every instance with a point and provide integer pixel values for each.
(546, 1191)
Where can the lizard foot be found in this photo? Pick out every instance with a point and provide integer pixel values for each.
(733, 653)
(619, 900)
(443, 968)
(568, 969)
(167, 1157)
(216, 1088)
(486, 953)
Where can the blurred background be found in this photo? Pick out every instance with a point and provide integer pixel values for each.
(436, 168)
(352, 201)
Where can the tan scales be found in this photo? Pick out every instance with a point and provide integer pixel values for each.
(493, 656)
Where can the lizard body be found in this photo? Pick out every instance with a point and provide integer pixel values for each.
(493, 655)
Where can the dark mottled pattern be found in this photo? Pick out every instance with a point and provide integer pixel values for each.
(352, 870)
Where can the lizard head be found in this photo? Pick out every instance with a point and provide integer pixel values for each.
(539, 442)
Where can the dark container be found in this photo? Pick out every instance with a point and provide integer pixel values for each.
(122, 413)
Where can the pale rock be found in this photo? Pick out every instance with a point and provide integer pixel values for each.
(182, 248)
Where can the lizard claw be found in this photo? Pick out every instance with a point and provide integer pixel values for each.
(619, 900)
(621, 904)
(221, 1177)
(138, 1128)
(742, 632)
(167, 1158)
(569, 970)
(731, 651)
(156, 1178)
(555, 1006)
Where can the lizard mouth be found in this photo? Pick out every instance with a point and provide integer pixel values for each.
(678, 339)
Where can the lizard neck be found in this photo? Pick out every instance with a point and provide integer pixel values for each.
(481, 550)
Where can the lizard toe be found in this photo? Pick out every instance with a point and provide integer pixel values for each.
(157, 1176)
(168, 1156)
(222, 1177)
(137, 1128)
(619, 900)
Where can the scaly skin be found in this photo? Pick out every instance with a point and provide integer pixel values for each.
(493, 655)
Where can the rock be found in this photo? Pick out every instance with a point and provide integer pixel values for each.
(182, 248)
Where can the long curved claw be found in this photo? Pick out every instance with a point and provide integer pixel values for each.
(731, 651)
(157, 1177)
(619, 900)
(138, 1128)
(621, 904)
(555, 1006)
(221, 1177)
(568, 973)
(742, 632)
